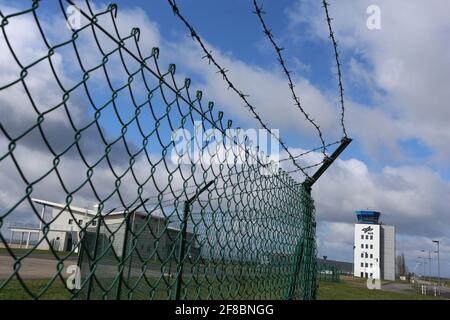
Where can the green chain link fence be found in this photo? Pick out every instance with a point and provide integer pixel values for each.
(328, 272)
(191, 229)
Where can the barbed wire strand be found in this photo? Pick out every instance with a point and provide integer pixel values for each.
(223, 72)
(338, 65)
(311, 151)
(165, 82)
(224, 187)
(259, 12)
(133, 258)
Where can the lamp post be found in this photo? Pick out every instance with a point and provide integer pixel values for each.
(423, 263)
(429, 263)
(439, 267)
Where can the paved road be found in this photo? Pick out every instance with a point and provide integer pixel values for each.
(32, 268)
(405, 288)
(445, 291)
(45, 266)
(408, 288)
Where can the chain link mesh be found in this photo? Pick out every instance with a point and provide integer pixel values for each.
(192, 229)
(328, 272)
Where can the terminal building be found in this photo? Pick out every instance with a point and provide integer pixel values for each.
(374, 247)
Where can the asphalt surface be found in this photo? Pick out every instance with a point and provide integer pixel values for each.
(445, 291)
(405, 288)
(45, 266)
(32, 268)
(408, 288)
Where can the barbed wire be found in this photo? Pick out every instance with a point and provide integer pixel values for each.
(310, 166)
(132, 258)
(177, 198)
(144, 65)
(311, 151)
(232, 174)
(338, 65)
(259, 12)
(223, 72)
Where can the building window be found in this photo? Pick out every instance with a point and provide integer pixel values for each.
(367, 275)
(371, 237)
(362, 264)
(80, 222)
(367, 265)
(70, 221)
(362, 274)
(371, 275)
(367, 255)
(371, 246)
(367, 237)
(371, 256)
(94, 223)
(362, 255)
(362, 246)
(367, 246)
(371, 265)
(362, 236)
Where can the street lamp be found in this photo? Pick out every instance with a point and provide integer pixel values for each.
(429, 263)
(423, 263)
(439, 267)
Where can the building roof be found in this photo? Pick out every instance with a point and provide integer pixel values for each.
(369, 213)
(89, 212)
(370, 217)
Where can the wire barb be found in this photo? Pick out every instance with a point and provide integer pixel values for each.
(338, 65)
(105, 139)
(231, 86)
(282, 62)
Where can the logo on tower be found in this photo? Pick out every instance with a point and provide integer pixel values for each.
(368, 229)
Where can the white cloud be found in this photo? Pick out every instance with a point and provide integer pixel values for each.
(404, 67)
(410, 197)
(413, 198)
(335, 240)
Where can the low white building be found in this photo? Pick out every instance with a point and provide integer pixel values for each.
(63, 231)
(152, 235)
(374, 247)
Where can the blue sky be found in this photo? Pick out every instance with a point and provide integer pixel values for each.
(395, 89)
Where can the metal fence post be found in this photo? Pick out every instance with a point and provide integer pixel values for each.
(134, 242)
(125, 241)
(124, 253)
(181, 250)
(94, 256)
(182, 241)
(309, 276)
(298, 262)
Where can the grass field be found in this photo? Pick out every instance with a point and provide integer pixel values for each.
(14, 290)
(349, 290)
(202, 287)
(344, 290)
(35, 253)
